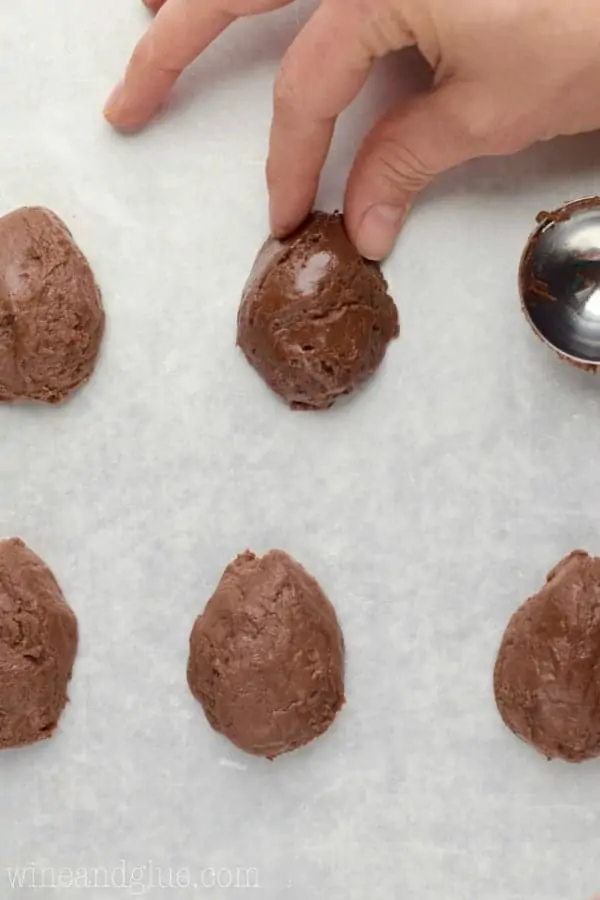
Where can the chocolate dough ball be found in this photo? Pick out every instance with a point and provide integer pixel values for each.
(315, 318)
(267, 656)
(51, 316)
(38, 643)
(547, 675)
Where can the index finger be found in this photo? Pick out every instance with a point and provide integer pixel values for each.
(181, 31)
(321, 74)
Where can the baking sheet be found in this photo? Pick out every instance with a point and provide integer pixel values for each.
(428, 507)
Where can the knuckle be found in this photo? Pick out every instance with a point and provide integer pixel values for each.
(144, 54)
(477, 125)
(479, 132)
(140, 58)
(469, 117)
(385, 27)
(146, 57)
(486, 129)
(399, 165)
(492, 135)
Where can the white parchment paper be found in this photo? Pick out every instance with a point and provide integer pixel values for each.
(428, 508)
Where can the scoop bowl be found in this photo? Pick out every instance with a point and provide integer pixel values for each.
(559, 281)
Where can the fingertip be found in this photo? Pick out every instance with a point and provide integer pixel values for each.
(291, 197)
(153, 5)
(373, 214)
(111, 107)
(131, 105)
(378, 198)
(278, 230)
(177, 36)
(285, 221)
(120, 120)
(122, 128)
(413, 144)
(125, 124)
(356, 199)
(378, 230)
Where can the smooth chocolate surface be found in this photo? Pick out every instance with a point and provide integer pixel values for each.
(547, 675)
(315, 318)
(51, 316)
(38, 644)
(267, 656)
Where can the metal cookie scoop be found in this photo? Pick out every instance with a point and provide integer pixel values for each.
(559, 281)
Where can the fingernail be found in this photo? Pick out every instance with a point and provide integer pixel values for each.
(113, 100)
(378, 229)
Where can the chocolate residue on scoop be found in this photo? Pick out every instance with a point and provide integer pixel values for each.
(38, 643)
(51, 316)
(267, 656)
(315, 318)
(547, 675)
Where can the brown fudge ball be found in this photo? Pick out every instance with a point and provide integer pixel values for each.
(38, 643)
(315, 318)
(547, 675)
(267, 656)
(51, 316)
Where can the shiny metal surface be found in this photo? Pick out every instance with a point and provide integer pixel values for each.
(559, 281)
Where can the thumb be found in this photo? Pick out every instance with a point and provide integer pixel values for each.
(403, 153)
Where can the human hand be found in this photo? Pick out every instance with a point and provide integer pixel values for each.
(506, 74)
